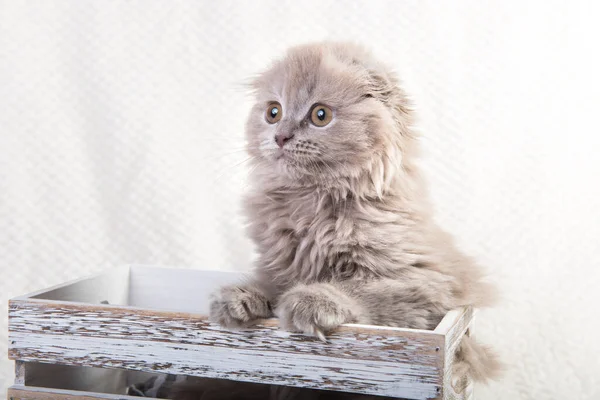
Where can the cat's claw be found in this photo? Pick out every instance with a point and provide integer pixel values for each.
(311, 310)
(321, 336)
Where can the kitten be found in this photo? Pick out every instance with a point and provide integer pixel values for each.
(338, 212)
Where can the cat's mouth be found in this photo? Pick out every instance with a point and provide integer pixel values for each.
(280, 155)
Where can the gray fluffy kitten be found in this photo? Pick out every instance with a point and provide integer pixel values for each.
(337, 210)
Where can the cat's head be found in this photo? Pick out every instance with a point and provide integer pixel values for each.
(328, 111)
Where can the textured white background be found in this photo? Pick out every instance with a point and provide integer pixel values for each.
(121, 128)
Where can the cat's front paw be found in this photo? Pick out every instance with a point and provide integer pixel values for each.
(314, 310)
(239, 306)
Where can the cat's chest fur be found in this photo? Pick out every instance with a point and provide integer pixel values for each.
(307, 236)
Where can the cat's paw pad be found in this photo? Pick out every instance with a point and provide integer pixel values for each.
(311, 311)
(238, 306)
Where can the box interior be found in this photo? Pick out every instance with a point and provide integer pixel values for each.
(101, 380)
(169, 289)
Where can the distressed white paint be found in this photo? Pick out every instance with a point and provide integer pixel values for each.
(455, 325)
(363, 359)
(449, 320)
(19, 373)
(302, 370)
(352, 341)
(19, 392)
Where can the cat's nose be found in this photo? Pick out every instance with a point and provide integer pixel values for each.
(282, 138)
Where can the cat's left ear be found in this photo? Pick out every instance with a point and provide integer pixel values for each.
(384, 87)
(380, 86)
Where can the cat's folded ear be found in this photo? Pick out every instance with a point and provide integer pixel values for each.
(380, 86)
(384, 87)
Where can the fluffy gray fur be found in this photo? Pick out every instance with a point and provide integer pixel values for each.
(339, 214)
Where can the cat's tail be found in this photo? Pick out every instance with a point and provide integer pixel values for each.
(474, 360)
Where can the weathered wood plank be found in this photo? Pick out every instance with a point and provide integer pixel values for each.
(301, 370)
(449, 320)
(384, 361)
(460, 321)
(102, 321)
(19, 373)
(459, 328)
(18, 392)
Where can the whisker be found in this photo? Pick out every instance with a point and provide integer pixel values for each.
(227, 169)
(226, 154)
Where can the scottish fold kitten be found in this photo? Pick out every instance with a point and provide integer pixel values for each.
(338, 211)
(340, 216)
(340, 219)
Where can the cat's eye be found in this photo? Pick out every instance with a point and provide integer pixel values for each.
(274, 112)
(321, 115)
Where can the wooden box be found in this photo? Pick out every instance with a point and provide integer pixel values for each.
(92, 337)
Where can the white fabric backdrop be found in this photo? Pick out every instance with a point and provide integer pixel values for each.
(121, 128)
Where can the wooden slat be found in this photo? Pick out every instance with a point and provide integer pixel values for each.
(455, 328)
(105, 321)
(18, 392)
(449, 320)
(383, 361)
(19, 373)
(458, 328)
